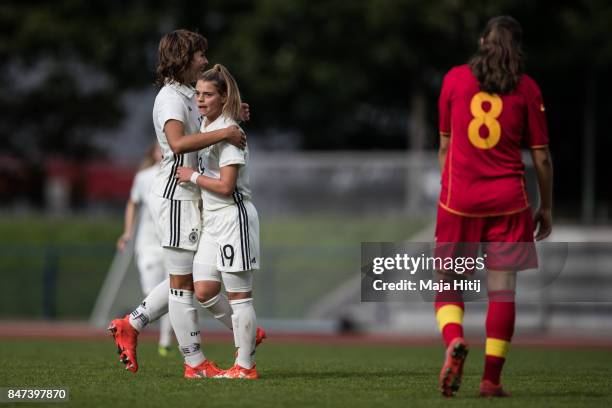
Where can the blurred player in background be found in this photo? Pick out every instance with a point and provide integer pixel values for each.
(175, 207)
(147, 246)
(488, 108)
(228, 250)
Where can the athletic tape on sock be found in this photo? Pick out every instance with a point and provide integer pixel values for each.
(497, 347)
(449, 314)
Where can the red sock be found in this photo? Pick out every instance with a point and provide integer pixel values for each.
(450, 330)
(500, 328)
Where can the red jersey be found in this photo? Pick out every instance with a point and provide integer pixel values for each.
(484, 172)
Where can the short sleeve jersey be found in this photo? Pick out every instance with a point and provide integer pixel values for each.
(141, 188)
(222, 154)
(484, 173)
(175, 102)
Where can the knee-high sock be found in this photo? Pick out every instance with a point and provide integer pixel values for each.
(449, 309)
(165, 331)
(152, 307)
(500, 328)
(184, 319)
(220, 308)
(245, 326)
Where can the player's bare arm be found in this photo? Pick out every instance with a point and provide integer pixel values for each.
(224, 185)
(544, 171)
(175, 133)
(128, 225)
(443, 150)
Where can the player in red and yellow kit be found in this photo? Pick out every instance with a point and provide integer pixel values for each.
(488, 110)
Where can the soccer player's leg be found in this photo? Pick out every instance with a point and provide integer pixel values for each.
(125, 331)
(155, 283)
(207, 281)
(183, 316)
(164, 345)
(499, 329)
(510, 248)
(449, 315)
(452, 234)
(239, 287)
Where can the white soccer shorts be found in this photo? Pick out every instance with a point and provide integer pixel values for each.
(230, 239)
(178, 222)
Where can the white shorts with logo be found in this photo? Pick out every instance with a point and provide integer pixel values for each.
(178, 222)
(230, 239)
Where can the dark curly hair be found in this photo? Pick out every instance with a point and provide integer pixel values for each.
(499, 62)
(176, 50)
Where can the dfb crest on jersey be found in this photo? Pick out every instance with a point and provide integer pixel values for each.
(193, 236)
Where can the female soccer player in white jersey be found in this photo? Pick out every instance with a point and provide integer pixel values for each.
(147, 247)
(175, 207)
(228, 250)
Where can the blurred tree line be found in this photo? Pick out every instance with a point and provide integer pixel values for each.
(334, 74)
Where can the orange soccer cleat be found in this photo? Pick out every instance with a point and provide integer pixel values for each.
(488, 389)
(240, 373)
(260, 336)
(207, 369)
(452, 370)
(126, 339)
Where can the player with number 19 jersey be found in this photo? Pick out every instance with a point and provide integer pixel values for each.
(483, 174)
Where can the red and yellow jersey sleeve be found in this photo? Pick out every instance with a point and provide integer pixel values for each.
(444, 106)
(536, 135)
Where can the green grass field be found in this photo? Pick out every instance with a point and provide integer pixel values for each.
(303, 376)
(314, 253)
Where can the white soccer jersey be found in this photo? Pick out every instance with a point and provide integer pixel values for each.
(175, 101)
(212, 158)
(146, 237)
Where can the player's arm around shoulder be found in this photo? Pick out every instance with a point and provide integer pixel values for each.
(181, 143)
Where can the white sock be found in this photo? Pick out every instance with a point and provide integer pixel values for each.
(165, 331)
(184, 319)
(220, 308)
(245, 328)
(152, 307)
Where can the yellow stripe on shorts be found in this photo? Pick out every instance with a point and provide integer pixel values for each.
(497, 347)
(449, 314)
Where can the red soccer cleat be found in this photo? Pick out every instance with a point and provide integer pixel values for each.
(488, 389)
(260, 336)
(126, 339)
(452, 370)
(238, 372)
(207, 369)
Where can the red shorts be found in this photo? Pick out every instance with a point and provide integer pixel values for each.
(507, 240)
